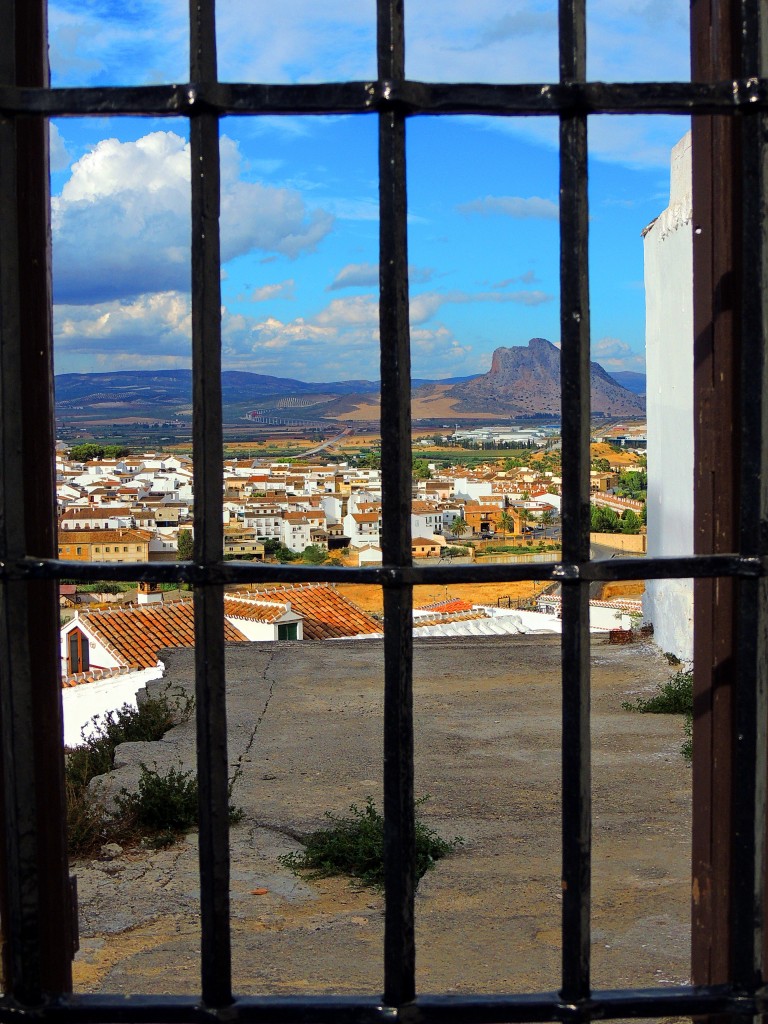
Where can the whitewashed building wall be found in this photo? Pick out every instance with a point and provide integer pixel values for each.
(668, 604)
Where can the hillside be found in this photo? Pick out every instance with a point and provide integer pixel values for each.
(526, 381)
(522, 381)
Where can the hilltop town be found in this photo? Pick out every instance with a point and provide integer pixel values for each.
(139, 508)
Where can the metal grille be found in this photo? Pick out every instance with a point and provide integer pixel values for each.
(27, 575)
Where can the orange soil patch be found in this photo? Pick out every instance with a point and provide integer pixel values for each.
(369, 597)
(434, 406)
(604, 451)
(624, 588)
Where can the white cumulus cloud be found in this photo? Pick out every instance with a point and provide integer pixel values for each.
(121, 225)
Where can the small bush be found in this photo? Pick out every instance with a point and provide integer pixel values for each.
(88, 824)
(163, 803)
(687, 748)
(674, 697)
(354, 845)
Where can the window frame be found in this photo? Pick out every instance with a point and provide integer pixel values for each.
(30, 569)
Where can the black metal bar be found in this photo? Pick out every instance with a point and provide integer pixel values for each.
(21, 904)
(742, 95)
(575, 409)
(210, 679)
(747, 902)
(698, 567)
(427, 1009)
(39, 502)
(399, 828)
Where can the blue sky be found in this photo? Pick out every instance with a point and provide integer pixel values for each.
(299, 195)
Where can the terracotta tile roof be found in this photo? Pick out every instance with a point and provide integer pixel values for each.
(327, 614)
(254, 610)
(103, 512)
(123, 536)
(454, 605)
(437, 620)
(135, 635)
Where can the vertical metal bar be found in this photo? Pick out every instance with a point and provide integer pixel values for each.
(37, 411)
(574, 373)
(210, 677)
(749, 772)
(21, 903)
(716, 304)
(34, 901)
(399, 841)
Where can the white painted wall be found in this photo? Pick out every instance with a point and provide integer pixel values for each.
(259, 631)
(668, 604)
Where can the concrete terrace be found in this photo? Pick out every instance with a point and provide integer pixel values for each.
(487, 718)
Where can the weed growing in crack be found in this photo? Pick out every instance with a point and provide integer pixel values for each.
(354, 845)
(673, 697)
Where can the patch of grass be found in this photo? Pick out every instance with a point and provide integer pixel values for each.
(354, 845)
(673, 697)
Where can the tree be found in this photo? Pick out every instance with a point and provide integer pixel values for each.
(459, 526)
(604, 520)
(185, 545)
(630, 521)
(506, 523)
(525, 515)
(421, 470)
(89, 451)
(314, 554)
(86, 452)
(601, 466)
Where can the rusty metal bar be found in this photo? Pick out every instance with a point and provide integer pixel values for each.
(717, 270)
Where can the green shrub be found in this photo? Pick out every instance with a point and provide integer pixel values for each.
(673, 697)
(165, 805)
(314, 554)
(354, 845)
(687, 748)
(88, 824)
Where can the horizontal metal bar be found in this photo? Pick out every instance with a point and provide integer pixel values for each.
(741, 95)
(428, 1009)
(687, 567)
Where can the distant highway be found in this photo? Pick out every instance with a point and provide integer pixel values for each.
(326, 444)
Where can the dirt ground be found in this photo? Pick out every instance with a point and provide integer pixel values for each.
(370, 597)
(487, 717)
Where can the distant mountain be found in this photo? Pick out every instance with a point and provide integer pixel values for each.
(522, 381)
(170, 385)
(634, 382)
(526, 381)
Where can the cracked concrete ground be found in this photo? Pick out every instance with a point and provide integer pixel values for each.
(487, 717)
